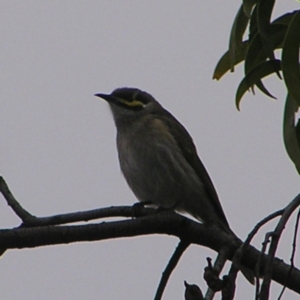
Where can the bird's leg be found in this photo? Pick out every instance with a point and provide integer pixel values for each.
(136, 206)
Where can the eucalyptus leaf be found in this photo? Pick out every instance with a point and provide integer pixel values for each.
(290, 136)
(285, 19)
(247, 6)
(264, 12)
(256, 52)
(290, 58)
(224, 64)
(255, 75)
(236, 35)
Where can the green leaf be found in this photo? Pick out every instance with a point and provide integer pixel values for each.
(256, 52)
(253, 24)
(236, 35)
(290, 136)
(264, 90)
(285, 19)
(224, 64)
(255, 75)
(290, 58)
(297, 128)
(247, 6)
(264, 12)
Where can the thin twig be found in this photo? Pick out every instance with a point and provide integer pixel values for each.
(218, 266)
(258, 263)
(88, 215)
(232, 275)
(253, 232)
(182, 246)
(259, 225)
(22, 213)
(236, 262)
(293, 254)
(30, 220)
(265, 288)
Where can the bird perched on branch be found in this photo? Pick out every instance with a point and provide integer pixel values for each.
(159, 159)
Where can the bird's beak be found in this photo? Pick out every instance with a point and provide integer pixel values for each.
(108, 98)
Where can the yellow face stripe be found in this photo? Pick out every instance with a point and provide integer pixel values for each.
(134, 103)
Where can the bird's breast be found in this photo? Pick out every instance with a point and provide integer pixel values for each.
(154, 166)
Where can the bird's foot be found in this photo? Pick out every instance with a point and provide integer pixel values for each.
(137, 206)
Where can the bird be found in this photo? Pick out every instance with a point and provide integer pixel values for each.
(159, 160)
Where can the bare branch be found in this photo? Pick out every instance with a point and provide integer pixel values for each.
(88, 215)
(23, 214)
(30, 220)
(259, 225)
(36, 232)
(216, 284)
(264, 294)
(232, 275)
(164, 222)
(182, 246)
(293, 253)
(236, 263)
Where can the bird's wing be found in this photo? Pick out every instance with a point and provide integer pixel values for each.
(187, 146)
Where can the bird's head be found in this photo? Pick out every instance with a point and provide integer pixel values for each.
(128, 104)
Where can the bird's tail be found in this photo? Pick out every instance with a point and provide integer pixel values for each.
(248, 273)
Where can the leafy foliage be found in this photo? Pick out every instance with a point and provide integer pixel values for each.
(257, 53)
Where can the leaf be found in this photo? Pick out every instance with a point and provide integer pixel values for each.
(253, 24)
(264, 90)
(236, 35)
(247, 6)
(255, 75)
(290, 58)
(297, 128)
(264, 12)
(290, 136)
(256, 53)
(224, 64)
(285, 19)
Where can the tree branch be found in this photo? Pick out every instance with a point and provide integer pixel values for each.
(30, 220)
(164, 222)
(182, 246)
(23, 214)
(293, 253)
(264, 294)
(36, 232)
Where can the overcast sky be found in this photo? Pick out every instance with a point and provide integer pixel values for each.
(58, 150)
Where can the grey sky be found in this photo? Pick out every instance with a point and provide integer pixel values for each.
(58, 149)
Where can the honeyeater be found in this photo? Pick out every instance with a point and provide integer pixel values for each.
(159, 159)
